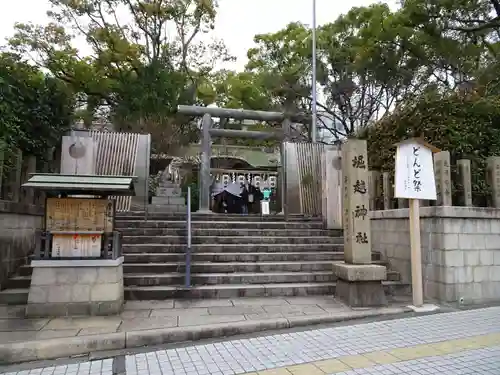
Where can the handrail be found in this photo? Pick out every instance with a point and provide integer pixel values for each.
(188, 248)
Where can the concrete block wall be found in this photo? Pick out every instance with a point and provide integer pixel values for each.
(18, 223)
(460, 250)
(62, 290)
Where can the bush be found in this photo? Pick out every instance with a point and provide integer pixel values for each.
(191, 180)
(467, 127)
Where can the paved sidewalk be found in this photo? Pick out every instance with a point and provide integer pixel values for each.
(466, 342)
(149, 323)
(150, 315)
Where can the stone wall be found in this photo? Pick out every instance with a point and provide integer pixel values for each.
(18, 224)
(76, 287)
(460, 250)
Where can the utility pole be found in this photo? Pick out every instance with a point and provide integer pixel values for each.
(313, 104)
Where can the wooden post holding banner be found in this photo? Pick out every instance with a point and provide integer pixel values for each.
(415, 181)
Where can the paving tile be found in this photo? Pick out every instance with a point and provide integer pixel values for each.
(365, 348)
(133, 314)
(181, 304)
(491, 339)
(291, 309)
(279, 371)
(307, 369)
(209, 319)
(314, 300)
(415, 352)
(381, 357)
(97, 330)
(52, 334)
(83, 322)
(259, 301)
(235, 310)
(20, 336)
(13, 325)
(357, 361)
(330, 366)
(148, 323)
(264, 316)
(148, 305)
(199, 311)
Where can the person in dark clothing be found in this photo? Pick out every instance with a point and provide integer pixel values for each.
(244, 199)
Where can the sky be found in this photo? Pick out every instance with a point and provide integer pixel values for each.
(237, 20)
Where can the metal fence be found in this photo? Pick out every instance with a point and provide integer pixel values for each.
(303, 165)
(116, 156)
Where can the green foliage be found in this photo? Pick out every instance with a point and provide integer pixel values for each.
(35, 109)
(467, 127)
(138, 68)
(191, 180)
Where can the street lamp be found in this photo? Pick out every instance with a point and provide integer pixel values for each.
(313, 104)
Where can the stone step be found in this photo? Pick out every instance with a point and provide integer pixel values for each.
(14, 296)
(238, 290)
(168, 208)
(227, 232)
(17, 293)
(140, 223)
(231, 248)
(201, 278)
(216, 217)
(174, 240)
(236, 257)
(228, 291)
(175, 262)
(229, 267)
(209, 267)
(19, 296)
(245, 278)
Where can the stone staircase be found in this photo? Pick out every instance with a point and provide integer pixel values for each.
(232, 256)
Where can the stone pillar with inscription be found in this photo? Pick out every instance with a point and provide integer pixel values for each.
(442, 172)
(493, 178)
(387, 190)
(402, 203)
(359, 281)
(464, 175)
(374, 189)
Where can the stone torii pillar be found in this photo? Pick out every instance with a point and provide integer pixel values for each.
(206, 154)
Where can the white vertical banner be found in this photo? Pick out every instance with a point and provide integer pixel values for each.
(414, 172)
(264, 207)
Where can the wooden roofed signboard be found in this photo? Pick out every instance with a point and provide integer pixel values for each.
(414, 170)
(79, 212)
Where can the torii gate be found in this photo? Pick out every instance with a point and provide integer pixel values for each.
(208, 132)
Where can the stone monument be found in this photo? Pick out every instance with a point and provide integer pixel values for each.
(359, 281)
(464, 173)
(442, 172)
(168, 196)
(387, 190)
(493, 178)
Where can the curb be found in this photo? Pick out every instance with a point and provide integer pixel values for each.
(56, 348)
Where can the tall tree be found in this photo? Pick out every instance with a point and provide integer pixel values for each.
(369, 61)
(35, 109)
(146, 56)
